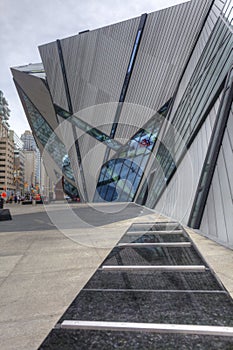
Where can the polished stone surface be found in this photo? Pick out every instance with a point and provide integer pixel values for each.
(61, 339)
(42, 271)
(153, 256)
(153, 280)
(153, 238)
(166, 226)
(205, 308)
(148, 296)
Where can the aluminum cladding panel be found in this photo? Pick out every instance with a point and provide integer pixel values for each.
(167, 40)
(96, 63)
(217, 220)
(177, 199)
(92, 154)
(100, 116)
(52, 65)
(38, 93)
(202, 42)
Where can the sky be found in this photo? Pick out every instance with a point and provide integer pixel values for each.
(26, 24)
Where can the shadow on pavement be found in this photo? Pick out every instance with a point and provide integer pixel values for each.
(41, 220)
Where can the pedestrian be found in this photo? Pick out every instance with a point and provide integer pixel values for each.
(15, 198)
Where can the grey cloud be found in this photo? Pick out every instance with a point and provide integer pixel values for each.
(26, 24)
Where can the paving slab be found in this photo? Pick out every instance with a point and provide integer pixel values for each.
(42, 269)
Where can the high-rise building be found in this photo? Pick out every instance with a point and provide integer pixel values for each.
(142, 111)
(6, 160)
(19, 163)
(30, 170)
(29, 144)
(28, 141)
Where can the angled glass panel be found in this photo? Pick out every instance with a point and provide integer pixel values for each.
(94, 132)
(52, 143)
(120, 177)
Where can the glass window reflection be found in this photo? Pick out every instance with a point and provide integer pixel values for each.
(53, 145)
(120, 177)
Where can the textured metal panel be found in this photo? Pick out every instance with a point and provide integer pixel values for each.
(220, 195)
(210, 218)
(76, 170)
(100, 116)
(38, 93)
(202, 41)
(230, 127)
(205, 224)
(226, 192)
(92, 154)
(177, 200)
(52, 65)
(96, 64)
(228, 158)
(133, 116)
(166, 43)
(219, 209)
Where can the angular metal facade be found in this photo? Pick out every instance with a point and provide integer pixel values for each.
(135, 107)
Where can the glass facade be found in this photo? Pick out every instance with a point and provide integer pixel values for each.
(93, 132)
(120, 177)
(53, 145)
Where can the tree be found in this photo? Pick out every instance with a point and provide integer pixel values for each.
(4, 110)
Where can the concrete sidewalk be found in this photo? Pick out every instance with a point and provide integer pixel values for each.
(42, 269)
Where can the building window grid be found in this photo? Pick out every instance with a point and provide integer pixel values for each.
(125, 165)
(155, 131)
(113, 169)
(165, 171)
(128, 173)
(150, 131)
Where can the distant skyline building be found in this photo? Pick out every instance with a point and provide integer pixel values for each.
(28, 140)
(19, 170)
(19, 163)
(17, 140)
(142, 111)
(6, 160)
(29, 144)
(30, 170)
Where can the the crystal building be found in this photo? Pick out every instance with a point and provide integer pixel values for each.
(142, 111)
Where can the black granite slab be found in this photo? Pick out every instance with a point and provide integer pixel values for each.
(153, 256)
(62, 339)
(153, 280)
(166, 226)
(153, 238)
(148, 296)
(214, 309)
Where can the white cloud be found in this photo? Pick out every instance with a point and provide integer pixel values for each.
(26, 24)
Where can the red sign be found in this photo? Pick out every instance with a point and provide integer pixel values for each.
(3, 195)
